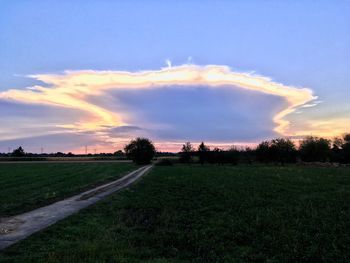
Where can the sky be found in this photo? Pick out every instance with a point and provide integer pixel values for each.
(98, 73)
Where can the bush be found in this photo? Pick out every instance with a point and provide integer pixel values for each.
(221, 157)
(164, 162)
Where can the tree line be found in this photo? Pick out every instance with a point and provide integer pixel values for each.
(280, 150)
(20, 152)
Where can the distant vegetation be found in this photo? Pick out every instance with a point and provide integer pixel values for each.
(20, 152)
(277, 151)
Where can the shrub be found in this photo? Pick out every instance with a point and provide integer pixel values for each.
(164, 162)
(220, 157)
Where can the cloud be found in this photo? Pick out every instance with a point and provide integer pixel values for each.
(168, 62)
(176, 103)
(72, 88)
(125, 129)
(199, 113)
(125, 132)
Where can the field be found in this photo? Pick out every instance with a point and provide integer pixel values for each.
(25, 186)
(62, 159)
(207, 214)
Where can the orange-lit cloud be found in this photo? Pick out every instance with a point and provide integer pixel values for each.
(72, 88)
(323, 128)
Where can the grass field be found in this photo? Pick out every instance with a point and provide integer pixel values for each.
(207, 214)
(62, 159)
(26, 186)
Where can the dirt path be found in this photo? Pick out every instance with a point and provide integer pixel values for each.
(16, 228)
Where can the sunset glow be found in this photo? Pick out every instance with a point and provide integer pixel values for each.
(103, 82)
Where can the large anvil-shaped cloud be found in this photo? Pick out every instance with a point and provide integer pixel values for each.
(72, 89)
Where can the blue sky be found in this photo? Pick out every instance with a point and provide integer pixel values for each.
(295, 43)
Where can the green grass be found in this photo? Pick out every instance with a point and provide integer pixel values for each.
(207, 214)
(25, 186)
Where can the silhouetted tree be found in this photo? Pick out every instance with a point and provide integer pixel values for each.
(215, 156)
(19, 152)
(231, 156)
(119, 153)
(140, 150)
(221, 157)
(263, 152)
(346, 148)
(313, 149)
(282, 151)
(186, 153)
(347, 138)
(248, 155)
(278, 150)
(203, 153)
(337, 150)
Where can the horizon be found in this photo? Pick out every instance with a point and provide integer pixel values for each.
(98, 74)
